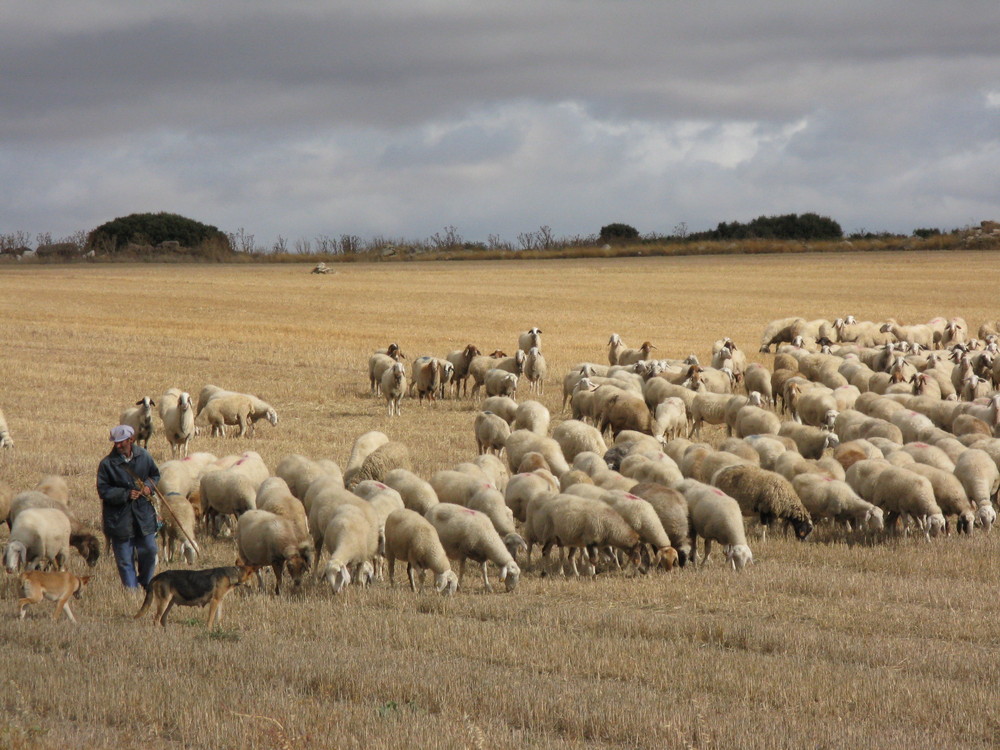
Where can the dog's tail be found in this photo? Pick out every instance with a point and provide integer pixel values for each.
(145, 603)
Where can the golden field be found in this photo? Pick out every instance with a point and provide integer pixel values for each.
(819, 644)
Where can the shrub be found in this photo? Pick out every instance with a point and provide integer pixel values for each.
(154, 229)
(618, 232)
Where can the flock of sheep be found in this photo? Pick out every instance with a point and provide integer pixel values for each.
(874, 428)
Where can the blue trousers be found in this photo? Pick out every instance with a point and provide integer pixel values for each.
(141, 549)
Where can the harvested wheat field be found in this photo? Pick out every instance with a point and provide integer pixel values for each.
(891, 643)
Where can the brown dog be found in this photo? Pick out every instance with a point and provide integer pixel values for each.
(56, 586)
(193, 588)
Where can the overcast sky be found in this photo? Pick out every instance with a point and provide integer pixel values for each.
(398, 119)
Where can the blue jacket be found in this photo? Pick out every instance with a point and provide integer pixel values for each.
(122, 517)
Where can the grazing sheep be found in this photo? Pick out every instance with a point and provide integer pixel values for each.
(6, 441)
(769, 448)
(80, 537)
(348, 539)
(522, 442)
(495, 470)
(716, 517)
(862, 475)
(364, 445)
(625, 411)
(922, 335)
(831, 498)
(575, 437)
(412, 538)
(904, 493)
(274, 496)
(467, 534)
(766, 494)
(491, 503)
(523, 487)
(503, 406)
(753, 420)
(816, 406)
(758, 378)
(382, 460)
(780, 331)
(715, 461)
(928, 454)
(231, 491)
(533, 461)
(416, 493)
(325, 505)
(491, 432)
(299, 472)
(535, 370)
(179, 523)
(672, 510)
(481, 365)
(645, 467)
(978, 473)
(394, 387)
(641, 516)
(811, 441)
(530, 339)
(55, 487)
(950, 496)
(39, 537)
(914, 426)
(240, 409)
(847, 454)
(455, 487)
(531, 415)
(140, 419)
(177, 413)
(708, 408)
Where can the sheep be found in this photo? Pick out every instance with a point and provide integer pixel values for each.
(780, 331)
(615, 347)
(394, 387)
(491, 503)
(39, 537)
(364, 445)
(530, 339)
(454, 486)
(769, 448)
(299, 472)
(672, 510)
(412, 538)
(966, 424)
(922, 334)
(523, 487)
(950, 495)
(928, 454)
(753, 420)
(379, 362)
(230, 409)
(710, 408)
(862, 475)
(631, 356)
(979, 476)
(584, 401)
(179, 522)
(988, 412)
(521, 442)
(716, 517)
(903, 493)
(531, 415)
(713, 462)
(469, 534)
(913, 425)
(460, 359)
(274, 496)
(533, 461)
(641, 516)
(847, 454)
(6, 441)
(416, 493)
(427, 377)
(816, 406)
(140, 419)
(578, 523)
(501, 383)
(758, 378)
(575, 437)
(382, 460)
(811, 441)
(831, 498)
(323, 507)
(491, 432)
(644, 467)
(535, 370)
(226, 492)
(503, 406)
(348, 539)
(741, 448)
(177, 413)
(625, 411)
(863, 333)
(481, 365)
(80, 537)
(495, 470)
(768, 495)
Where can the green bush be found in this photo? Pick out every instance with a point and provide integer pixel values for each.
(787, 227)
(154, 229)
(618, 232)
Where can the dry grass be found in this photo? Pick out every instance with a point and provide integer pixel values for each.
(818, 645)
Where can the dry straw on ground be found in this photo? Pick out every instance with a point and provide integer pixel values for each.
(819, 644)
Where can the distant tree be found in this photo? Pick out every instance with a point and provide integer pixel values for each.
(152, 229)
(618, 232)
(808, 226)
(925, 233)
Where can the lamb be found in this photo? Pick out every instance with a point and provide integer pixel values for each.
(412, 538)
(381, 461)
(641, 516)
(811, 441)
(416, 493)
(469, 534)
(460, 360)
(348, 538)
(241, 409)
(575, 437)
(949, 495)
(503, 406)
(523, 487)
(491, 432)
(716, 517)
(530, 339)
(979, 476)
(140, 419)
(615, 347)
(832, 498)
(44, 538)
(521, 442)
(531, 415)
(535, 370)
(299, 472)
(381, 361)
(766, 494)
(177, 413)
(394, 387)
(903, 493)
(6, 441)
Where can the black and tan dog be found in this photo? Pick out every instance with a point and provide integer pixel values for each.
(193, 588)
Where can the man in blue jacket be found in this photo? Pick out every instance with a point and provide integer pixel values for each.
(125, 481)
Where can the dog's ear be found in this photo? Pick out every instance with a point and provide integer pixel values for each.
(84, 580)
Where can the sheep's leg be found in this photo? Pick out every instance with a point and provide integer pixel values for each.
(486, 578)
(572, 561)
(278, 568)
(461, 571)
(392, 572)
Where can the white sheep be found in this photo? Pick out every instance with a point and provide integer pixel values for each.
(649, 467)
(522, 442)
(978, 473)
(575, 437)
(348, 539)
(394, 387)
(6, 441)
(811, 441)
(364, 445)
(240, 409)
(44, 538)
(179, 521)
(495, 470)
(231, 491)
(274, 496)
(379, 362)
(535, 370)
(831, 498)
(491, 432)
(669, 419)
(430, 377)
(491, 503)
(950, 495)
(467, 534)
(523, 487)
(299, 472)
(417, 494)
(530, 339)
(708, 408)
(903, 493)
(503, 406)
(754, 420)
(716, 517)
(641, 516)
(140, 419)
(413, 539)
(500, 383)
(177, 413)
(531, 415)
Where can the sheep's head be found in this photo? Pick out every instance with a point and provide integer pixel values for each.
(87, 545)
(986, 516)
(337, 575)
(615, 340)
(146, 403)
(738, 555)
(272, 416)
(188, 552)
(510, 574)
(829, 418)
(966, 521)
(15, 555)
(666, 558)
(875, 518)
(646, 348)
(395, 352)
(296, 566)
(514, 544)
(446, 583)
(754, 398)
(366, 574)
(935, 524)
(184, 401)
(803, 527)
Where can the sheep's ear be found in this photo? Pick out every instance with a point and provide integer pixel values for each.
(152, 403)
(139, 402)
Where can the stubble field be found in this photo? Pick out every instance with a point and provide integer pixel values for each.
(817, 645)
